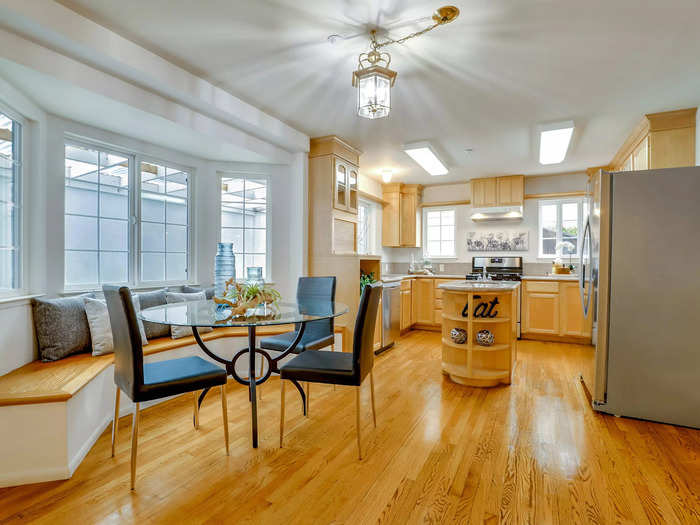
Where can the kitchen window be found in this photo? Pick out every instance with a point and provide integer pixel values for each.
(121, 228)
(561, 227)
(10, 202)
(244, 221)
(439, 236)
(367, 226)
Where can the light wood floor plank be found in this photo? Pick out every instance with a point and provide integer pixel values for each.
(531, 452)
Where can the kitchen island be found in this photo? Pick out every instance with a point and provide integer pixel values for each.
(479, 331)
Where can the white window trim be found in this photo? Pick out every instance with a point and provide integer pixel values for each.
(559, 202)
(373, 232)
(135, 159)
(424, 223)
(22, 259)
(268, 216)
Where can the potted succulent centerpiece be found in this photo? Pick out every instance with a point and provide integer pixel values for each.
(241, 297)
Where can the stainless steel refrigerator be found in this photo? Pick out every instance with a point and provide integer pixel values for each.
(640, 279)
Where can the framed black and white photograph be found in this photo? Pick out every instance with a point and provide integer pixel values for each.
(503, 241)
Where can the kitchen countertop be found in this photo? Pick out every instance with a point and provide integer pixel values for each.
(480, 286)
(392, 278)
(551, 277)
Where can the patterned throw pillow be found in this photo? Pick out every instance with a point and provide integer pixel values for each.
(61, 327)
(147, 300)
(184, 331)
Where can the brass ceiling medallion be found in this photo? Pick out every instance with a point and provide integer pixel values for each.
(373, 78)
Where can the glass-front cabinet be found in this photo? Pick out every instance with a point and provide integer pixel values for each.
(345, 196)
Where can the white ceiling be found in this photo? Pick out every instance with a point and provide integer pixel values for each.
(484, 81)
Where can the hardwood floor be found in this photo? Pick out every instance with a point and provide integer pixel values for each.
(532, 452)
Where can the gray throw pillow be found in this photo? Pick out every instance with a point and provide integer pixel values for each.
(209, 292)
(61, 327)
(147, 300)
(184, 331)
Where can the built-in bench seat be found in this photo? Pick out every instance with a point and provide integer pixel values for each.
(53, 412)
(55, 381)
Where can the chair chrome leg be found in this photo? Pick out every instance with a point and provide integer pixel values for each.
(196, 410)
(308, 398)
(371, 387)
(281, 411)
(134, 443)
(333, 350)
(224, 413)
(115, 422)
(357, 421)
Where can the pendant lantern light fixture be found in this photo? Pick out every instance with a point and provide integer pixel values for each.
(373, 79)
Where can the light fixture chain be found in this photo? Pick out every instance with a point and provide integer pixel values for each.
(407, 37)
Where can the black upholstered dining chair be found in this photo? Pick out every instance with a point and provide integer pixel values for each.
(341, 368)
(147, 381)
(317, 334)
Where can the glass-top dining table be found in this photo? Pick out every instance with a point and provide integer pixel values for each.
(208, 314)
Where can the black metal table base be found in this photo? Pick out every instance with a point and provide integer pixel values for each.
(251, 381)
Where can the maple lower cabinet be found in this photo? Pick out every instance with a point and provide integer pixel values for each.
(552, 309)
(401, 224)
(406, 304)
(541, 313)
(423, 302)
(572, 322)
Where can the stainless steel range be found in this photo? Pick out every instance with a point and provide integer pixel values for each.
(498, 269)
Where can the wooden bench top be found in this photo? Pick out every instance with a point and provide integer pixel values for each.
(56, 381)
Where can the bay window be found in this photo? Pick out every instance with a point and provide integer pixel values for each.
(244, 221)
(120, 228)
(10, 202)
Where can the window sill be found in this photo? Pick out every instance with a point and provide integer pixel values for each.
(440, 258)
(9, 299)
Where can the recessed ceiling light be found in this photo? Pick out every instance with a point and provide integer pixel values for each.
(387, 174)
(554, 141)
(332, 39)
(424, 155)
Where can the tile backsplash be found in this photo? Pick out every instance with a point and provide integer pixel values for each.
(464, 268)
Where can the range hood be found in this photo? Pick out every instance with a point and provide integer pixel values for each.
(500, 213)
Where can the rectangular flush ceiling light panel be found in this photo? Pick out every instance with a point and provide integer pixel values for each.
(424, 155)
(554, 141)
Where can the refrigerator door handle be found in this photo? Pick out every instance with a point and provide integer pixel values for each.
(587, 238)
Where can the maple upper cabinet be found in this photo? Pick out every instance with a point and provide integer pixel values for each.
(660, 140)
(511, 190)
(484, 192)
(401, 225)
(345, 186)
(498, 191)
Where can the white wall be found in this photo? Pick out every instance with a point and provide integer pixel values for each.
(452, 192)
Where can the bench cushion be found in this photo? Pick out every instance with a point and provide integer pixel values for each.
(61, 327)
(148, 300)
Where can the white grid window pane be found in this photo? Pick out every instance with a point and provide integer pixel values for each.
(560, 227)
(10, 214)
(96, 216)
(244, 221)
(164, 223)
(440, 233)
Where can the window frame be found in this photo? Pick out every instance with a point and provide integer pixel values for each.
(21, 259)
(254, 175)
(580, 201)
(137, 222)
(134, 243)
(426, 211)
